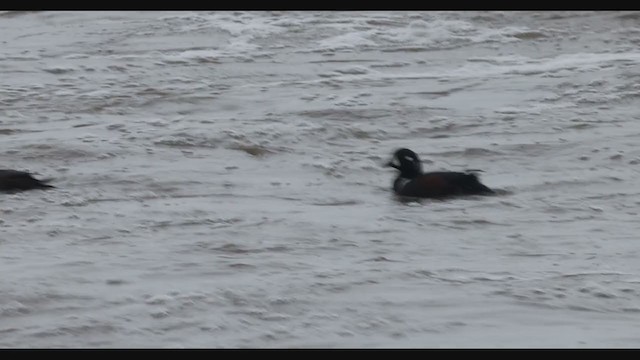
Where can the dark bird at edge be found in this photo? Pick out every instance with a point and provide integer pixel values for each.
(14, 180)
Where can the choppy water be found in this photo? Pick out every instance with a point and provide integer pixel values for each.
(220, 182)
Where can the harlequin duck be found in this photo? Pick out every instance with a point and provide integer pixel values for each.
(13, 180)
(413, 182)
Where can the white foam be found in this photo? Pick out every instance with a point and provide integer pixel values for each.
(346, 41)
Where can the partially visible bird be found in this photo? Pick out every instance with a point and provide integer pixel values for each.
(14, 180)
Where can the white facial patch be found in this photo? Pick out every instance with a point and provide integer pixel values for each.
(408, 158)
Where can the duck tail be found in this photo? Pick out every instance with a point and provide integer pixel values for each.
(43, 184)
(477, 187)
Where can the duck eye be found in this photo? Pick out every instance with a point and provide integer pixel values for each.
(408, 158)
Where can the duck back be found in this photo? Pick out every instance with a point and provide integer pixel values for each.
(441, 184)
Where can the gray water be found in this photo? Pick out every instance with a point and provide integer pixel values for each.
(220, 182)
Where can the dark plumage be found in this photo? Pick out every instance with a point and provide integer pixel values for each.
(413, 182)
(13, 180)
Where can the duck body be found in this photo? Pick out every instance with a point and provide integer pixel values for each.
(441, 184)
(14, 180)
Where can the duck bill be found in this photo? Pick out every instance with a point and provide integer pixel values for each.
(393, 165)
